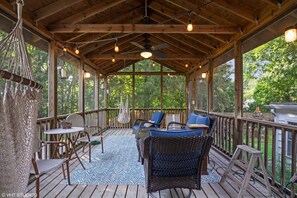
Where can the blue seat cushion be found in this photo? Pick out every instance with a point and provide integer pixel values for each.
(175, 133)
(157, 117)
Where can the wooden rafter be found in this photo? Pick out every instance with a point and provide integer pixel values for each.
(53, 8)
(275, 3)
(95, 9)
(142, 28)
(237, 10)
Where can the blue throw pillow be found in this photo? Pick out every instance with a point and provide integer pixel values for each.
(202, 120)
(175, 133)
(192, 118)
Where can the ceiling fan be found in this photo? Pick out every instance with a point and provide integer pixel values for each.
(146, 50)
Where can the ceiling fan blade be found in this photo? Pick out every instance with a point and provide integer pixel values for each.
(160, 46)
(159, 54)
(137, 45)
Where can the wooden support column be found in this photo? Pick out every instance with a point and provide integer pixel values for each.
(187, 96)
(53, 83)
(210, 86)
(194, 91)
(161, 89)
(133, 95)
(97, 82)
(81, 93)
(105, 100)
(238, 93)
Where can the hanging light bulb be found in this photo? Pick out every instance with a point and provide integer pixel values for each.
(203, 75)
(190, 25)
(200, 66)
(116, 47)
(113, 59)
(76, 50)
(186, 65)
(64, 49)
(154, 64)
(291, 34)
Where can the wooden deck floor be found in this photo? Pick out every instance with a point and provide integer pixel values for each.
(51, 185)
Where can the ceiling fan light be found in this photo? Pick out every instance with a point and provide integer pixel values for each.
(146, 54)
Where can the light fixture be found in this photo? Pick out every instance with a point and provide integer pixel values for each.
(146, 54)
(200, 66)
(186, 65)
(113, 59)
(291, 34)
(100, 74)
(203, 75)
(64, 49)
(190, 25)
(63, 74)
(116, 47)
(154, 64)
(87, 74)
(76, 50)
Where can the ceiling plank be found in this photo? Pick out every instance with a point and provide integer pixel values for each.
(95, 9)
(138, 57)
(275, 3)
(142, 28)
(237, 10)
(149, 73)
(53, 8)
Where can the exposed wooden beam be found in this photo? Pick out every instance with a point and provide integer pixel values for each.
(148, 73)
(237, 10)
(142, 28)
(95, 9)
(138, 57)
(53, 8)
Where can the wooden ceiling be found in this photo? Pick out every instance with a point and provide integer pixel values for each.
(94, 25)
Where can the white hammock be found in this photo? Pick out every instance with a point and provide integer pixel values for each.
(124, 114)
(18, 111)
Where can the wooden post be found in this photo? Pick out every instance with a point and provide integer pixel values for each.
(187, 96)
(96, 91)
(105, 100)
(194, 91)
(210, 86)
(81, 93)
(133, 95)
(161, 89)
(238, 93)
(53, 83)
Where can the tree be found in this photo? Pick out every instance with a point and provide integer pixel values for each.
(270, 72)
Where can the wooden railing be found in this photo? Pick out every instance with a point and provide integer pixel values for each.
(276, 141)
(143, 113)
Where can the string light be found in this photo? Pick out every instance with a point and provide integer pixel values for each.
(76, 50)
(154, 64)
(186, 65)
(113, 59)
(200, 66)
(116, 47)
(203, 75)
(64, 49)
(87, 74)
(190, 25)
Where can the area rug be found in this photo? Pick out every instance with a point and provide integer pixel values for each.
(117, 165)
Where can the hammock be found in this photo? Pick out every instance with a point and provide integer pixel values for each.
(124, 114)
(18, 111)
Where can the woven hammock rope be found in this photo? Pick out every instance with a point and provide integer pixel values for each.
(18, 111)
(124, 113)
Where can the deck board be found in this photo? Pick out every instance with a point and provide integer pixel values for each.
(51, 185)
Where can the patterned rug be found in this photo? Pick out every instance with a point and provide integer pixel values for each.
(117, 165)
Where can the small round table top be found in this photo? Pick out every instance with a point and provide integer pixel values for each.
(60, 131)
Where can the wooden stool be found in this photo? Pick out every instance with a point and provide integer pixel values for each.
(249, 168)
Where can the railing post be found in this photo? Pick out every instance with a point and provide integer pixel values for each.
(238, 111)
(133, 95)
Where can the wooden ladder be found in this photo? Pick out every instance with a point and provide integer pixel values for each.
(255, 154)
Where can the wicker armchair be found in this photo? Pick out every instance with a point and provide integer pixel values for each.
(174, 162)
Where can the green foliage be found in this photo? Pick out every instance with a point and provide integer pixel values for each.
(223, 87)
(119, 85)
(202, 94)
(90, 93)
(68, 88)
(270, 72)
(147, 65)
(174, 92)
